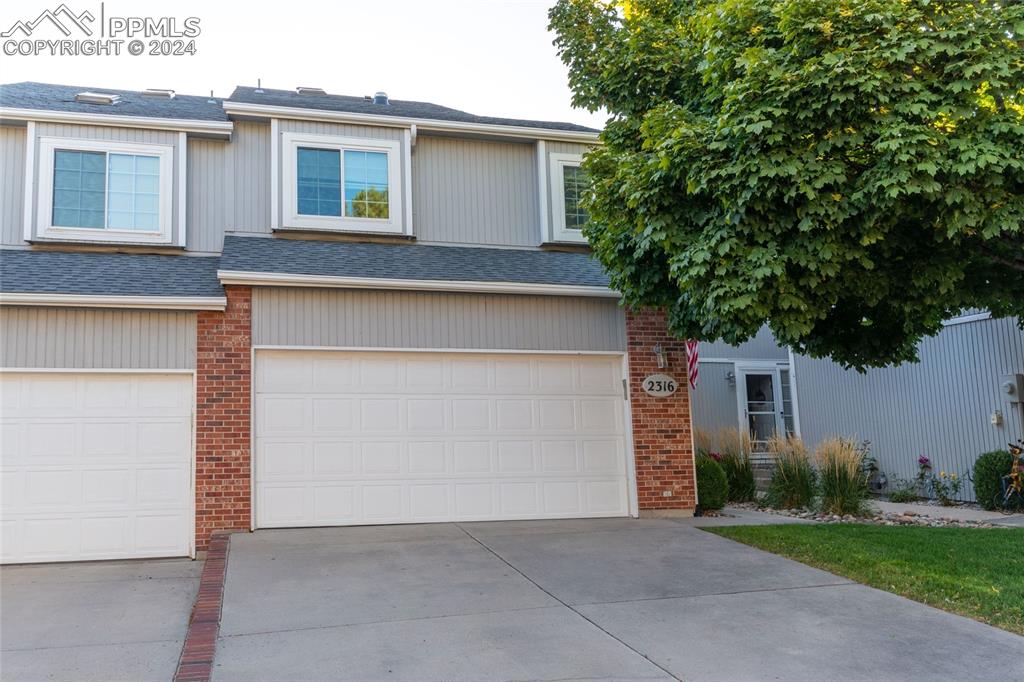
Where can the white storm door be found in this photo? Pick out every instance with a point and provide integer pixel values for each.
(95, 466)
(761, 405)
(345, 438)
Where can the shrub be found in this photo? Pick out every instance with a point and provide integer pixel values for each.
(712, 485)
(794, 480)
(734, 446)
(904, 491)
(988, 473)
(844, 485)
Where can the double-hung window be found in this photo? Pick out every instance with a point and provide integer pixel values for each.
(94, 190)
(333, 183)
(568, 182)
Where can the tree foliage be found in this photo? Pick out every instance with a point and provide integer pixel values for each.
(850, 172)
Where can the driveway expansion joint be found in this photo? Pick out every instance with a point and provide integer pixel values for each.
(565, 604)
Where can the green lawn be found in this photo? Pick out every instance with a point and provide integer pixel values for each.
(977, 573)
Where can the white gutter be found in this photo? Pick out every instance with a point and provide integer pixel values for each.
(101, 301)
(277, 279)
(422, 124)
(221, 128)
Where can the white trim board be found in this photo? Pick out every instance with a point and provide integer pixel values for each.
(423, 124)
(964, 319)
(382, 349)
(331, 281)
(213, 128)
(103, 301)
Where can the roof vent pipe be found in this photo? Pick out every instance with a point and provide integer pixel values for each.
(380, 97)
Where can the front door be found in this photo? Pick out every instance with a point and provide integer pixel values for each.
(761, 405)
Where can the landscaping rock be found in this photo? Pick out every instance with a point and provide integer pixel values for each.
(908, 518)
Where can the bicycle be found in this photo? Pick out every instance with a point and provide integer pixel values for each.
(1011, 497)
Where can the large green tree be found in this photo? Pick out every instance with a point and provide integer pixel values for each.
(850, 172)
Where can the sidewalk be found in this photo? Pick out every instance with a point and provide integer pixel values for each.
(957, 513)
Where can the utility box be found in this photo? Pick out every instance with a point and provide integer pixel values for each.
(1012, 388)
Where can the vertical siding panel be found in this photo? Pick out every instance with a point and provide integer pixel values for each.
(474, 192)
(63, 338)
(939, 407)
(12, 183)
(400, 319)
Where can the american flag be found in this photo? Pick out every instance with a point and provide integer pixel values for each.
(691, 362)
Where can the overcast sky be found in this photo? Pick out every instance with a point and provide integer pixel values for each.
(488, 57)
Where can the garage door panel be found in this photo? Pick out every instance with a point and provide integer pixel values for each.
(91, 463)
(334, 458)
(332, 415)
(418, 437)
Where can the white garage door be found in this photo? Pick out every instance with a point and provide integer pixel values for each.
(95, 466)
(364, 438)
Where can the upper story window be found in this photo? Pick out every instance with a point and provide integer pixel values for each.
(568, 182)
(104, 191)
(333, 183)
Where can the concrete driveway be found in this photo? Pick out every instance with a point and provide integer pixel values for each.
(555, 600)
(111, 620)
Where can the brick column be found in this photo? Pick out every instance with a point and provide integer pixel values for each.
(662, 436)
(223, 409)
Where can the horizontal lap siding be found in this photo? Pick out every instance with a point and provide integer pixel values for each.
(400, 319)
(939, 407)
(475, 192)
(62, 338)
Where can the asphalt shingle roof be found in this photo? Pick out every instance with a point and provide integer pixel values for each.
(410, 261)
(107, 274)
(49, 97)
(403, 108)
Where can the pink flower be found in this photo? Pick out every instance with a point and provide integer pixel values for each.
(715, 456)
(924, 461)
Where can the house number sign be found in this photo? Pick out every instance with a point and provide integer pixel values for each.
(660, 385)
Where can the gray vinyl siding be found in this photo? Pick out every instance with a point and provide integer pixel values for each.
(250, 180)
(65, 338)
(940, 407)
(88, 132)
(475, 192)
(12, 183)
(714, 400)
(404, 319)
(762, 347)
(210, 178)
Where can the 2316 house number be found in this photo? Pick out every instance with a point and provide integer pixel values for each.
(660, 385)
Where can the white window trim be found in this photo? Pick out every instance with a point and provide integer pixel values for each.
(558, 162)
(47, 230)
(290, 142)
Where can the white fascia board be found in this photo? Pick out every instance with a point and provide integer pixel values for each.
(294, 113)
(186, 125)
(101, 301)
(275, 279)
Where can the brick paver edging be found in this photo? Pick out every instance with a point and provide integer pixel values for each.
(196, 662)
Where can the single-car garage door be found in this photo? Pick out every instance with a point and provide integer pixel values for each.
(95, 466)
(388, 437)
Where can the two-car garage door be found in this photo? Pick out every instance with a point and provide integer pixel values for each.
(389, 437)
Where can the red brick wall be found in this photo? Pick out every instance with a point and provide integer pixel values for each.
(223, 385)
(662, 439)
